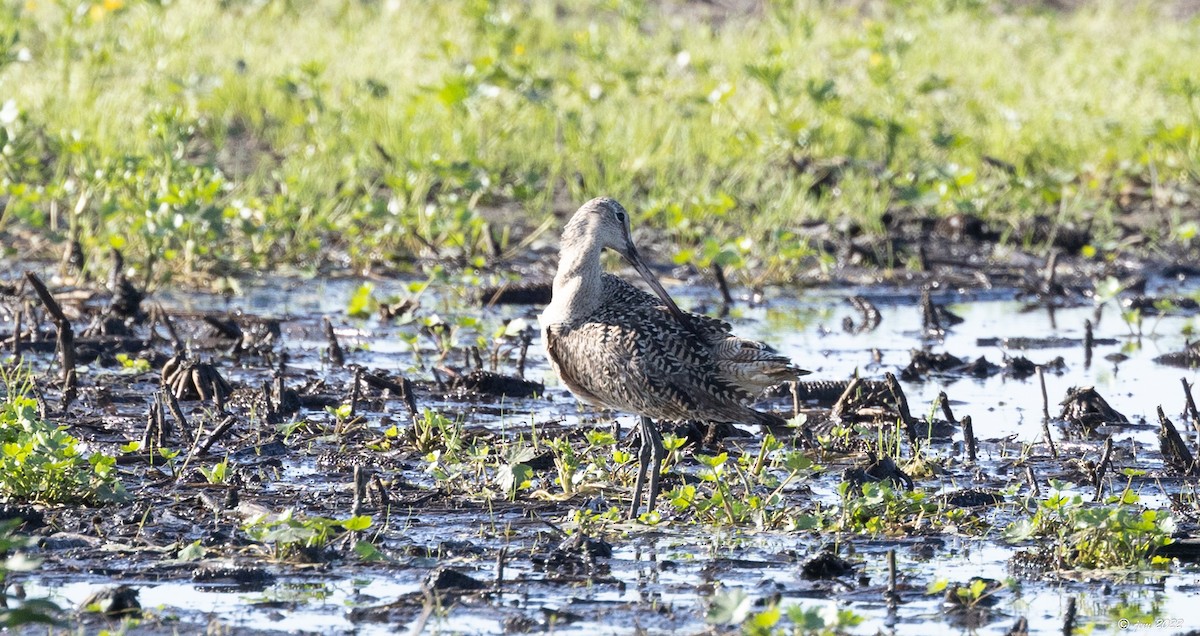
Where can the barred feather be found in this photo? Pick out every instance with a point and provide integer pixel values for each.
(618, 347)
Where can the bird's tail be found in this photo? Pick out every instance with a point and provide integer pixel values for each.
(753, 366)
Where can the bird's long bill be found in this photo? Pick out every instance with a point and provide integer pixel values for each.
(631, 255)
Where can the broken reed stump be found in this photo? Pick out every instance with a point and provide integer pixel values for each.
(1193, 415)
(929, 317)
(892, 595)
(1175, 452)
(1102, 467)
(362, 477)
(155, 432)
(1033, 484)
(381, 493)
(526, 340)
(1050, 274)
(220, 431)
(501, 558)
(356, 391)
(969, 435)
(1045, 396)
(337, 357)
(723, 286)
(403, 388)
(271, 414)
(18, 316)
(1069, 618)
(66, 339)
(158, 316)
(173, 406)
(1089, 341)
(944, 402)
(1046, 413)
(842, 403)
(906, 417)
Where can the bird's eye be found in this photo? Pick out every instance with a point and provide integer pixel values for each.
(621, 216)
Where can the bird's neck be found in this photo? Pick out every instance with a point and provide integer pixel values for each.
(579, 283)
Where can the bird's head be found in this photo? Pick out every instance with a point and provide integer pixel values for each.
(605, 222)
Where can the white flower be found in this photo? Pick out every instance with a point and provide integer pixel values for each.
(9, 113)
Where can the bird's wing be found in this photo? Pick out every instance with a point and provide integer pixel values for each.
(618, 291)
(641, 360)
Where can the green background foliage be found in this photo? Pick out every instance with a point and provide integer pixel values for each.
(214, 135)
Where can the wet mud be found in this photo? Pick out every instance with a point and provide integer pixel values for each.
(265, 422)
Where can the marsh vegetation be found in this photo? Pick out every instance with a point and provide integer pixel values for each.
(271, 270)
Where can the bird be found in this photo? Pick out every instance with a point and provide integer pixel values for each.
(617, 347)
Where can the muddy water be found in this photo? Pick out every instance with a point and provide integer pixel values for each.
(662, 579)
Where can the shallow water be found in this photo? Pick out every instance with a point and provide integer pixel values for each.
(675, 567)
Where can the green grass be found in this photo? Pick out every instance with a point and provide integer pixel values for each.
(215, 136)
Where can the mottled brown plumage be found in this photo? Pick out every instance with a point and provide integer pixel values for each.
(631, 355)
(617, 347)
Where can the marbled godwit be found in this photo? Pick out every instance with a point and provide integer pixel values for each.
(620, 348)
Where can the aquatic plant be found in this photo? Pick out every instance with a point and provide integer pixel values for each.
(39, 461)
(219, 472)
(291, 536)
(883, 509)
(1118, 533)
(433, 431)
(749, 490)
(970, 596)
(735, 607)
(15, 610)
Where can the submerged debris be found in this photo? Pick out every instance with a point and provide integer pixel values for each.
(254, 335)
(925, 362)
(974, 594)
(1084, 407)
(1152, 306)
(973, 498)
(981, 367)
(970, 604)
(240, 576)
(1020, 367)
(193, 380)
(1188, 358)
(481, 382)
(448, 580)
(1049, 342)
(120, 601)
(869, 313)
(576, 556)
(826, 565)
(876, 470)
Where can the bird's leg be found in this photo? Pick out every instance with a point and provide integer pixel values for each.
(658, 454)
(644, 452)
